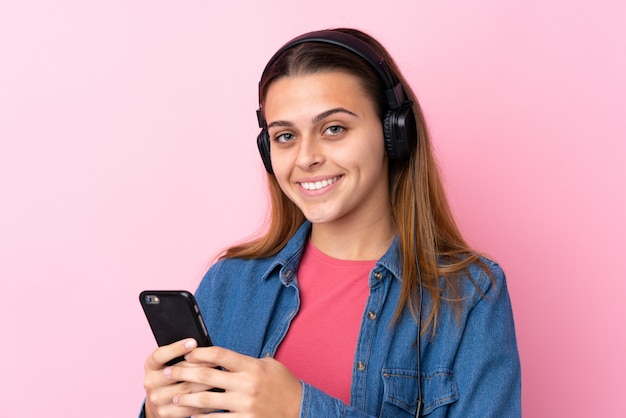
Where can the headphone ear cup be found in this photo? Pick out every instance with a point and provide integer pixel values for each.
(263, 143)
(400, 131)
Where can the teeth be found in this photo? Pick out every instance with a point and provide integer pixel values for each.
(318, 184)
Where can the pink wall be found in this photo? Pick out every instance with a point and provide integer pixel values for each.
(127, 160)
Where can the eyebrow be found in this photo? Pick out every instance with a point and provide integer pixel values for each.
(317, 118)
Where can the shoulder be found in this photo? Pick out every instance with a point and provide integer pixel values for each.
(483, 278)
(230, 274)
(226, 271)
(229, 266)
(480, 283)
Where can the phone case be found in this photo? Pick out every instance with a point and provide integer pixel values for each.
(174, 315)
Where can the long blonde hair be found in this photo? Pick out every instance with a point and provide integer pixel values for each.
(415, 184)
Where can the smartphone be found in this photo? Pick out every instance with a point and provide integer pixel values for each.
(174, 315)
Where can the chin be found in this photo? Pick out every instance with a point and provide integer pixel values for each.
(322, 218)
(322, 215)
(319, 218)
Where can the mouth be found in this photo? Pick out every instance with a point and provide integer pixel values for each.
(318, 185)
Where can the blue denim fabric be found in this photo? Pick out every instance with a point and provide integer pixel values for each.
(469, 368)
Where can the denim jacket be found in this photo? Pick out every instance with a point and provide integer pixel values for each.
(469, 368)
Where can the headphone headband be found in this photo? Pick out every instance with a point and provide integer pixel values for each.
(393, 88)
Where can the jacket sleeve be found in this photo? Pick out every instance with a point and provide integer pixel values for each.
(487, 365)
(316, 403)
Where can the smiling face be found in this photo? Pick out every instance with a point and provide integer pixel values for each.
(327, 148)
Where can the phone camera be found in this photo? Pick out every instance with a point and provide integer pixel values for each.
(152, 299)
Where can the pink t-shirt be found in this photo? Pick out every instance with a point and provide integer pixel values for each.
(320, 344)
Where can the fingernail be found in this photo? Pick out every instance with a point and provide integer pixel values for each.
(167, 371)
(190, 344)
(175, 400)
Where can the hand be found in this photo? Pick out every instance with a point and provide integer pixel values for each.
(260, 388)
(160, 391)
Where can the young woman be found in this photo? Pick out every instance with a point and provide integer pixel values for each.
(361, 299)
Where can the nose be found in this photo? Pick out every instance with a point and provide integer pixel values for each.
(310, 153)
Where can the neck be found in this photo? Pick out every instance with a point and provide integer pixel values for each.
(366, 241)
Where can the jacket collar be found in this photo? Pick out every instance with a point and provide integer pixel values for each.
(288, 258)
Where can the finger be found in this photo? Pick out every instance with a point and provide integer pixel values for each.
(166, 394)
(208, 376)
(220, 357)
(161, 399)
(171, 410)
(154, 379)
(207, 402)
(166, 353)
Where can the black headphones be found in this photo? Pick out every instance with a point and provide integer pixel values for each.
(399, 123)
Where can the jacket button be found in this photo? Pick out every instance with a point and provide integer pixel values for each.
(378, 275)
(371, 315)
(360, 366)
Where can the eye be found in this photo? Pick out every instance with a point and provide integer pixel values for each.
(334, 130)
(284, 138)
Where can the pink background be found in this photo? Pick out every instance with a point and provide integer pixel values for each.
(127, 161)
